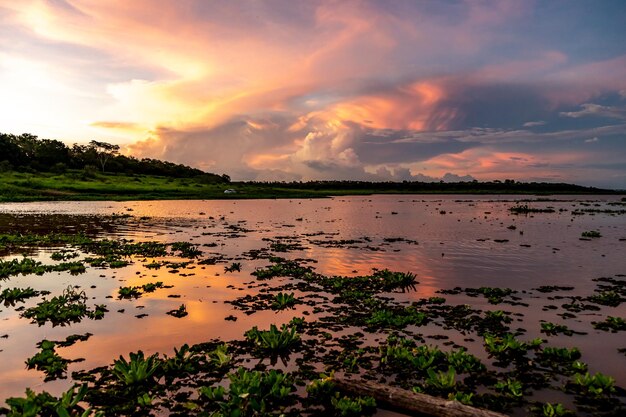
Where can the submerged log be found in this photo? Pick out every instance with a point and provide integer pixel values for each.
(411, 402)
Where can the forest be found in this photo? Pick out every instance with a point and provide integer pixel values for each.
(29, 153)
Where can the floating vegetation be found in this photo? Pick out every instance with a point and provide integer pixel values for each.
(613, 324)
(234, 267)
(250, 393)
(526, 209)
(137, 370)
(552, 329)
(273, 341)
(283, 301)
(48, 361)
(607, 298)
(44, 404)
(11, 296)
(370, 325)
(27, 266)
(180, 312)
(137, 291)
(69, 307)
(591, 234)
(129, 292)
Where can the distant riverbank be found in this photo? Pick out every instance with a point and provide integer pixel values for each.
(76, 185)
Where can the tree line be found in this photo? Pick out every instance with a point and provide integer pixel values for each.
(28, 152)
(488, 187)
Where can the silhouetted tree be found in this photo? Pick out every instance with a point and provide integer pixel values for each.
(104, 151)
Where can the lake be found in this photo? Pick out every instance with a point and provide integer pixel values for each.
(447, 241)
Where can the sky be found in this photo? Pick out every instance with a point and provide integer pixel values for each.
(308, 90)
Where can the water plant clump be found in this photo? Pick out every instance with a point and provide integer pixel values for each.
(48, 361)
(613, 324)
(526, 209)
(607, 298)
(185, 250)
(356, 325)
(69, 307)
(27, 266)
(596, 385)
(273, 340)
(137, 370)
(283, 301)
(64, 255)
(129, 292)
(234, 267)
(11, 296)
(552, 329)
(591, 234)
(44, 404)
(180, 312)
(250, 393)
(396, 318)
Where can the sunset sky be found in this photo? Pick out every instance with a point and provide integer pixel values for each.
(298, 90)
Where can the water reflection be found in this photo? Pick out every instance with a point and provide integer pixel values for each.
(445, 242)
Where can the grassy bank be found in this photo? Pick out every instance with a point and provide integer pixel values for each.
(75, 185)
(79, 185)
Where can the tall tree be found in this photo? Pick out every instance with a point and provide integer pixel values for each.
(104, 151)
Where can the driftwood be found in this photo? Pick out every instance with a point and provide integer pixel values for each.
(411, 402)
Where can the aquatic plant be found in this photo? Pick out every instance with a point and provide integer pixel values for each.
(494, 295)
(10, 296)
(606, 298)
(591, 234)
(404, 356)
(322, 388)
(462, 361)
(63, 255)
(139, 370)
(273, 340)
(398, 319)
(552, 356)
(554, 410)
(554, 329)
(129, 292)
(594, 385)
(184, 361)
(219, 357)
(283, 300)
(234, 267)
(461, 397)
(48, 361)
(185, 250)
(508, 346)
(614, 324)
(353, 406)
(510, 387)
(395, 280)
(152, 286)
(282, 268)
(442, 381)
(250, 393)
(180, 312)
(526, 209)
(27, 266)
(69, 307)
(46, 405)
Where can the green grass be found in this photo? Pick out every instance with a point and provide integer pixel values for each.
(78, 185)
(75, 185)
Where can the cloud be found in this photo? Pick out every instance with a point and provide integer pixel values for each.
(592, 140)
(116, 125)
(534, 124)
(590, 109)
(321, 89)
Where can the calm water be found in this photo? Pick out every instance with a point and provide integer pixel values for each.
(452, 242)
